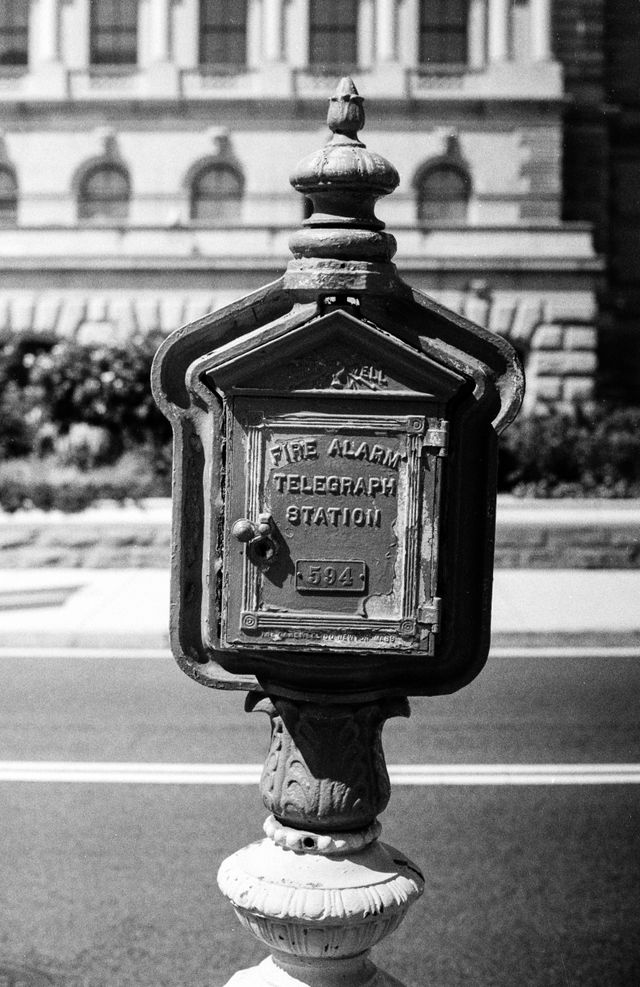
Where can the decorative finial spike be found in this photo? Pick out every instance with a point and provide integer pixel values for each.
(343, 180)
(346, 86)
(346, 109)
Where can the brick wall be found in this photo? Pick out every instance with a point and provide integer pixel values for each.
(95, 539)
(578, 36)
(568, 534)
(531, 534)
(562, 362)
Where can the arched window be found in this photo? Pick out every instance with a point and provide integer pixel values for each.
(114, 32)
(104, 193)
(223, 32)
(8, 197)
(333, 33)
(443, 194)
(14, 28)
(443, 32)
(216, 194)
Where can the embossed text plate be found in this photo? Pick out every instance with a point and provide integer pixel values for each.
(330, 576)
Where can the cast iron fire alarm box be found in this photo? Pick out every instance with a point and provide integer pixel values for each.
(336, 435)
(334, 487)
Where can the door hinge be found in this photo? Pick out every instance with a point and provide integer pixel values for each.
(430, 614)
(438, 437)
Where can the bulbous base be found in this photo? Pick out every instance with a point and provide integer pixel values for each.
(309, 906)
(355, 972)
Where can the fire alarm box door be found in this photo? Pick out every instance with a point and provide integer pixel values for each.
(331, 525)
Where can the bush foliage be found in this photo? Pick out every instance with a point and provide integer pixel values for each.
(47, 485)
(594, 452)
(78, 423)
(106, 387)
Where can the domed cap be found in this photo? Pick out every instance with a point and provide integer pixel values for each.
(344, 179)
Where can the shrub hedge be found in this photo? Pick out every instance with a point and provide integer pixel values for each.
(593, 452)
(78, 423)
(47, 485)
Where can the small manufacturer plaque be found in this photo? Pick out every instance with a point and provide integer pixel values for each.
(329, 576)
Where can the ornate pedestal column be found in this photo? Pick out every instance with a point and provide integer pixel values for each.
(540, 30)
(321, 889)
(477, 34)
(276, 75)
(272, 30)
(47, 74)
(386, 31)
(388, 70)
(159, 31)
(498, 30)
(161, 72)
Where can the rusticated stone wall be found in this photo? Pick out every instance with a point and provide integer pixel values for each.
(569, 537)
(531, 534)
(95, 539)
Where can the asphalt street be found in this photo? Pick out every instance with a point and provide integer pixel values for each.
(518, 709)
(105, 885)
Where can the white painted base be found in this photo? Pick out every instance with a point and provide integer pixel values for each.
(354, 972)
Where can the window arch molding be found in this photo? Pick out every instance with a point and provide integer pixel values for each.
(216, 201)
(8, 195)
(102, 190)
(443, 188)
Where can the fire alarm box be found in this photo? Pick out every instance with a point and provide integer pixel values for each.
(341, 522)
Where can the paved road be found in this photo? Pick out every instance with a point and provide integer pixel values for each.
(525, 710)
(114, 885)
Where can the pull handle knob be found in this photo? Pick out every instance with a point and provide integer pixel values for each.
(260, 538)
(244, 530)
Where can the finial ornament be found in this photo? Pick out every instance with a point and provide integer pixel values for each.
(346, 110)
(343, 181)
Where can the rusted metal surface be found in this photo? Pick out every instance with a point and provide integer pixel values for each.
(334, 752)
(334, 477)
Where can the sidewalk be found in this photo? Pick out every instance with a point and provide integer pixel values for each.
(129, 608)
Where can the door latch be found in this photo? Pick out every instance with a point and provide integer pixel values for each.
(260, 537)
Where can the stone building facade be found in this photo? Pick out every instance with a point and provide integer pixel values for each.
(597, 42)
(146, 146)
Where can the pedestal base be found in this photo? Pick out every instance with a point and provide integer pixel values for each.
(319, 908)
(321, 893)
(356, 971)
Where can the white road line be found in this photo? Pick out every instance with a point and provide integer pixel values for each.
(27, 653)
(40, 654)
(565, 651)
(113, 773)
